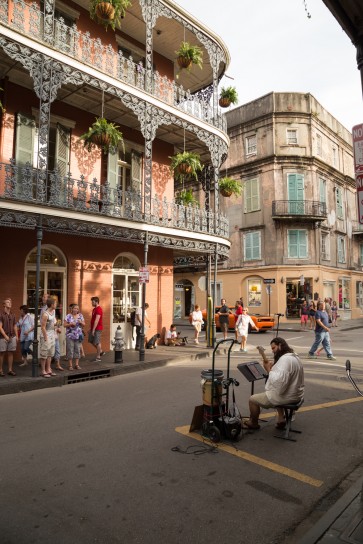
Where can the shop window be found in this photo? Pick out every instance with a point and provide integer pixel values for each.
(254, 292)
(344, 294)
(297, 244)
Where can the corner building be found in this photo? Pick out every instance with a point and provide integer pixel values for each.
(100, 216)
(294, 231)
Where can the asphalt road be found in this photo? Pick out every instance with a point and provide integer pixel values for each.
(94, 462)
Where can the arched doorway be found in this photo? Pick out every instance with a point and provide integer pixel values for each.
(52, 280)
(126, 295)
(184, 299)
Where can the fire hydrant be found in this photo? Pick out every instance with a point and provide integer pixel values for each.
(119, 345)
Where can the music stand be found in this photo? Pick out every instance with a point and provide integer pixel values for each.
(252, 371)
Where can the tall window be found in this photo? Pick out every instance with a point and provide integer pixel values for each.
(325, 246)
(124, 173)
(252, 245)
(322, 190)
(335, 157)
(251, 145)
(319, 145)
(252, 195)
(297, 244)
(361, 254)
(341, 249)
(291, 136)
(344, 294)
(339, 202)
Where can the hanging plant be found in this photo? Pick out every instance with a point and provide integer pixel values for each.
(186, 198)
(228, 96)
(103, 134)
(186, 164)
(229, 186)
(108, 13)
(188, 54)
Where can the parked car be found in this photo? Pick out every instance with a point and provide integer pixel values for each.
(262, 322)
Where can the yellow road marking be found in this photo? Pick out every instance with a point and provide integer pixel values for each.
(254, 459)
(320, 406)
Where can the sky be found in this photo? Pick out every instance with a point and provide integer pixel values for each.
(274, 46)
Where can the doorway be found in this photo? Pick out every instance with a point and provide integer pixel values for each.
(126, 296)
(184, 299)
(52, 280)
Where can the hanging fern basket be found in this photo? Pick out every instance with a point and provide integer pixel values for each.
(101, 140)
(184, 62)
(184, 168)
(224, 102)
(105, 11)
(226, 193)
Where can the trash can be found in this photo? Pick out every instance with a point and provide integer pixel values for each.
(207, 388)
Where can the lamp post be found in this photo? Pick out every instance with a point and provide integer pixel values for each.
(35, 366)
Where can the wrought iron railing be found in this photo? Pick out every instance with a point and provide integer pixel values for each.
(27, 19)
(51, 189)
(306, 208)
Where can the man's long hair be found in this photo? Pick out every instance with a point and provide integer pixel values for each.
(284, 348)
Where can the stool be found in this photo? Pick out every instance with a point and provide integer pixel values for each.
(289, 410)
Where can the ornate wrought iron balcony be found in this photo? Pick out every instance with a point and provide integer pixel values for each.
(295, 209)
(27, 19)
(49, 189)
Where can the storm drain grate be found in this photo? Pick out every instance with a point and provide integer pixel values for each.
(88, 376)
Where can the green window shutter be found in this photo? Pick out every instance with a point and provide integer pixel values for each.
(252, 246)
(297, 244)
(295, 185)
(339, 203)
(24, 143)
(251, 195)
(136, 171)
(62, 145)
(112, 170)
(322, 190)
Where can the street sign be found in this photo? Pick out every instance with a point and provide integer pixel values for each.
(143, 275)
(358, 167)
(269, 280)
(269, 289)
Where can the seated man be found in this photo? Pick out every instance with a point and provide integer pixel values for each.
(172, 338)
(284, 385)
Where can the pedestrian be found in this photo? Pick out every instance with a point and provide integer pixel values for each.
(304, 314)
(242, 325)
(328, 309)
(238, 309)
(223, 313)
(172, 337)
(26, 327)
(94, 334)
(47, 337)
(138, 324)
(57, 353)
(322, 335)
(74, 323)
(8, 337)
(334, 314)
(197, 321)
(285, 384)
(312, 310)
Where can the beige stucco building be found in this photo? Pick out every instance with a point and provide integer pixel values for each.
(296, 222)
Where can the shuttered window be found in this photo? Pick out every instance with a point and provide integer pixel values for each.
(339, 203)
(252, 195)
(252, 245)
(297, 244)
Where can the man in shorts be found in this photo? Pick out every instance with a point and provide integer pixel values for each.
(284, 385)
(223, 313)
(8, 336)
(94, 334)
